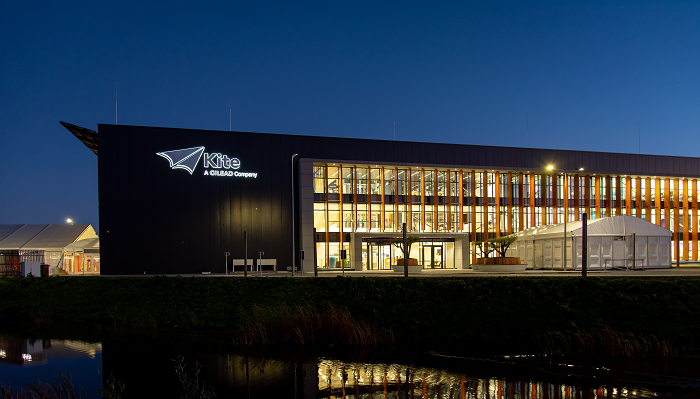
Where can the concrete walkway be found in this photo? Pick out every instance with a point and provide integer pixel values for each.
(683, 271)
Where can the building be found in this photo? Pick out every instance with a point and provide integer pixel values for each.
(177, 200)
(67, 249)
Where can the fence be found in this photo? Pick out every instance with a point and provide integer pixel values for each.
(11, 260)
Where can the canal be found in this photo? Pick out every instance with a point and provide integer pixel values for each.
(147, 365)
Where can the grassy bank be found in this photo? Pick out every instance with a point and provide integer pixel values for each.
(555, 314)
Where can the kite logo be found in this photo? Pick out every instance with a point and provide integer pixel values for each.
(183, 159)
(188, 159)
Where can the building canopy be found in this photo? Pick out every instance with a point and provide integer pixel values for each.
(86, 245)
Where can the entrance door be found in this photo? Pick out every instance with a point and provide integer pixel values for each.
(433, 256)
(78, 263)
(379, 256)
(438, 261)
(427, 257)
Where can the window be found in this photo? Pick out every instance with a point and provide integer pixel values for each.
(466, 184)
(319, 179)
(375, 181)
(361, 180)
(402, 182)
(348, 186)
(415, 182)
(333, 180)
(442, 183)
(388, 181)
(428, 174)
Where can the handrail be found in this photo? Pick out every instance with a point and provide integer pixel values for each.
(626, 260)
(60, 261)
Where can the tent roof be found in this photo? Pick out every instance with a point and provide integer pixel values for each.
(21, 235)
(610, 226)
(41, 236)
(7, 229)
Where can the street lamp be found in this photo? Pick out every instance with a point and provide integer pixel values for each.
(69, 221)
(566, 201)
(293, 246)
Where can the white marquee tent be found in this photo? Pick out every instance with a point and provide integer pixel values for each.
(618, 241)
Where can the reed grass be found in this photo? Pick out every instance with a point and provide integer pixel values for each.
(305, 324)
(113, 388)
(602, 340)
(6, 393)
(60, 387)
(192, 387)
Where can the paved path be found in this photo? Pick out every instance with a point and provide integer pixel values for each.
(685, 271)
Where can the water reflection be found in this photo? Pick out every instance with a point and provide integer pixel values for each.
(28, 352)
(339, 379)
(145, 365)
(28, 360)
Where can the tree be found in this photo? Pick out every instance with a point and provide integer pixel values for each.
(484, 248)
(501, 244)
(398, 243)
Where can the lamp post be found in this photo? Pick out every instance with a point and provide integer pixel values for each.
(293, 246)
(566, 201)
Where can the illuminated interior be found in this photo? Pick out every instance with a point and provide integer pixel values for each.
(482, 203)
(80, 263)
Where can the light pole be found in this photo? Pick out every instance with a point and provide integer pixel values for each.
(293, 244)
(566, 201)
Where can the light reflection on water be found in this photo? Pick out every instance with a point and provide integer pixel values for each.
(337, 379)
(27, 352)
(291, 372)
(24, 361)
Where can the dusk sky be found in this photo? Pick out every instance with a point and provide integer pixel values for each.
(587, 76)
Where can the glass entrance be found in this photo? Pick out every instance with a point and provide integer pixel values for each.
(430, 253)
(379, 256)
(433, 255)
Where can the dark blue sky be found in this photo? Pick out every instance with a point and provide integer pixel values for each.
(586, 76)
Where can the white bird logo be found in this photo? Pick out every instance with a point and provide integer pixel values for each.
(187, 158)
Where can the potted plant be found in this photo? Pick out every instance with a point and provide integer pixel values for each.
(483, 248)
(412, 263)
(502, 263)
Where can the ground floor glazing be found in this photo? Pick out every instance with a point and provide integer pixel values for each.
(380, 254)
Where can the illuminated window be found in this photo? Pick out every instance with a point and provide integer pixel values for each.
(375, 181)
(429, 181)
(466, 184)
(389, 182)
(361, 178)
(442, 183)
(348, 186)
(319, 179)
(415, 182)
(402, 182)
(333, 180)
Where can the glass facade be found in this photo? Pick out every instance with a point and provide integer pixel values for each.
(80, 263)
(483, 203)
